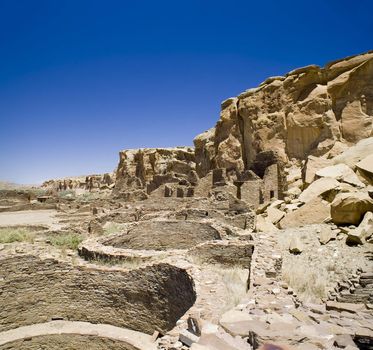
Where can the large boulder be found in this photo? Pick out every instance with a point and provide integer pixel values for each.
(315, 211)
(340, 172)
(318, 188)
(355, 154)
(312, 165)
(350, 208)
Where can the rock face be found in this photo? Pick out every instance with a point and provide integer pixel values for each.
(303, 113)
(147, 299)
(149, 168)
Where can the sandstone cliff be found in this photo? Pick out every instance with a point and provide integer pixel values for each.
(148, 168)
(302, 113)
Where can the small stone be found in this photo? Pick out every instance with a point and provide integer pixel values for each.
(296, 246)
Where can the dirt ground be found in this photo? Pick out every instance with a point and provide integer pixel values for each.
(30, 217)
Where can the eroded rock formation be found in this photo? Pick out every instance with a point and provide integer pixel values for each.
(302, 113)
(147, 169)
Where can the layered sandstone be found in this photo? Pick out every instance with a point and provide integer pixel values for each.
(302, 113)
(148, 168)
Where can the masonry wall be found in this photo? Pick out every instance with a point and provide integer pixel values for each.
(251, 192)
(34, 291)
(67, 342)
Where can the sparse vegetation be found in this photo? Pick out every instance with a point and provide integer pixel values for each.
(66, 240)
(235, 282)
(11, 235)
(89, 196)
(309, 283)
(113, 227)
(66, 194)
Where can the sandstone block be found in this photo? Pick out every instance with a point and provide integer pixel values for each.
(349, 208)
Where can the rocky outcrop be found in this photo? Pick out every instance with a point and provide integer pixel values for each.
(148, 168)
(90, 182)
(300, 114)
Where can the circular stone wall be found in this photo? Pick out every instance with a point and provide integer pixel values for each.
(34, 290)
(163, 235)
(67, 342)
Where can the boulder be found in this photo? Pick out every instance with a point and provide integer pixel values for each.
(350, 208)
(274, 215)
(263, 224)
(340, 172)
(363, 232)
(325, 234)
(315, 211)
(365, 168)
(318, 188)
(312, 165)
(355, 154)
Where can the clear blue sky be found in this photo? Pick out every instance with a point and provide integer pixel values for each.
(81, 80)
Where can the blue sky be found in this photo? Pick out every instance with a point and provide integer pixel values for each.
(81, 80)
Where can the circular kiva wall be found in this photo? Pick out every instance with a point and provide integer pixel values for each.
(67, 342)
(33, 290)
(163, 235)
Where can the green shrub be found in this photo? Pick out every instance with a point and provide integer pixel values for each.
(11, 235)
(66, 240)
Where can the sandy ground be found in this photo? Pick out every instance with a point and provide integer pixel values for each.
(30, 217)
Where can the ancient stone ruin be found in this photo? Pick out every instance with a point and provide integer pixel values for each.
(258, 237)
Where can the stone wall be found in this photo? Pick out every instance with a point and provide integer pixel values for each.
(224, 253)
(34, 291)
(162, 235)
(356, 289)
(67, 342)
